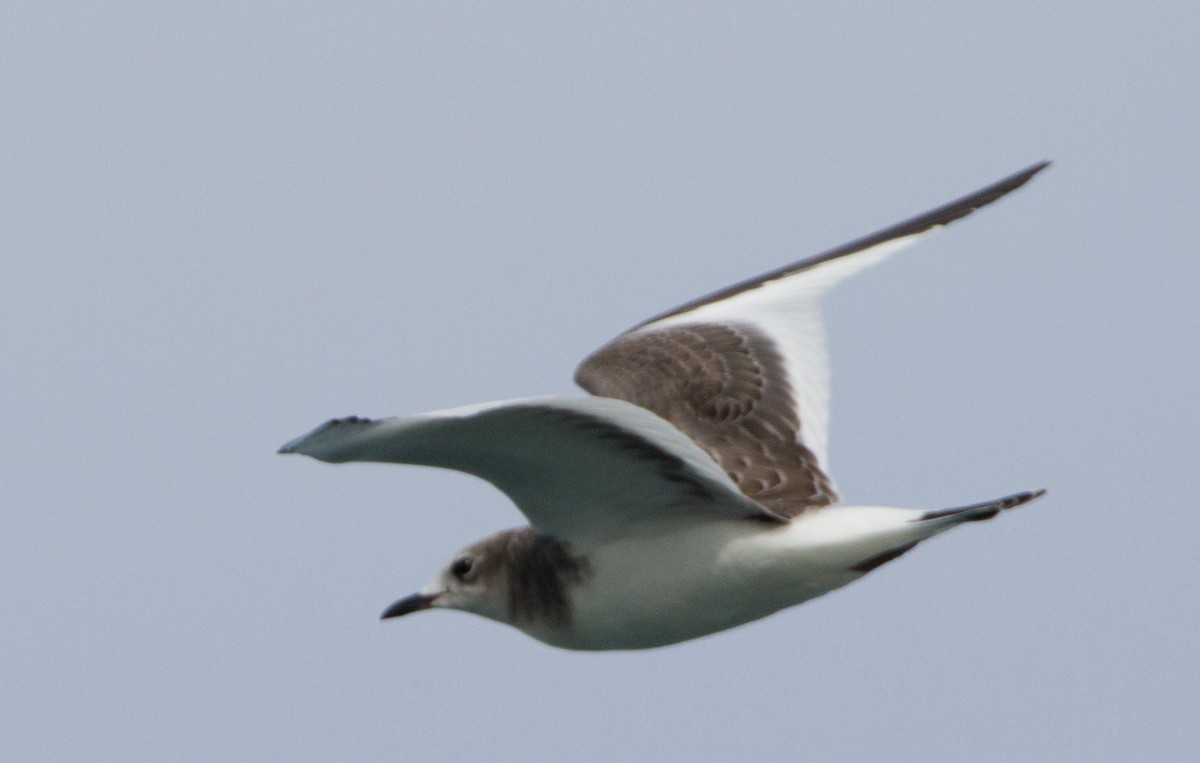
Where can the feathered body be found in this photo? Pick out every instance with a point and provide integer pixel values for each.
(691, 494)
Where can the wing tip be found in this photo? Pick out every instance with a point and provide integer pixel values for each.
(1023, 176)
(309, 444)
(972, 202)
(939, 217)
(1011, 183)
(935, 218)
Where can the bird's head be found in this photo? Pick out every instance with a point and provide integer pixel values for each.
(474, 580)
(515, 577)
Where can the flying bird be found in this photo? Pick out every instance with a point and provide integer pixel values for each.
(690, 493)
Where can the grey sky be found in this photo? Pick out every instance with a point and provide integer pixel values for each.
(222, 225)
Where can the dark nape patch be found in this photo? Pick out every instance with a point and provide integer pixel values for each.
(539, 571)
(870, 563)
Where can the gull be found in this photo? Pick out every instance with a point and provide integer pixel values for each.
(690, 493)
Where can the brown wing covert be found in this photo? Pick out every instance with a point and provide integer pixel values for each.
(723, 385)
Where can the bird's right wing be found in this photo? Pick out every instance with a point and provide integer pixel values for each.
(582, 469)
(743, 371)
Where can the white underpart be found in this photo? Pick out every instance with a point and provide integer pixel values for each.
(679, 581)
(788, 310)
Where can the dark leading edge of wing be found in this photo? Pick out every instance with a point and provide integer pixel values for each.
(725, 383)
(943, 215)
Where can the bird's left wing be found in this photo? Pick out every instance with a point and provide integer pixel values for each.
(581, 469)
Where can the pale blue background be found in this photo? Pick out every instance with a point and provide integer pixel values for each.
(222, 224)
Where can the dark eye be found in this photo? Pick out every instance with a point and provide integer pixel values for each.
(462, 567)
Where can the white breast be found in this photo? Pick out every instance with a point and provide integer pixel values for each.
(679, 581)
(675, 584)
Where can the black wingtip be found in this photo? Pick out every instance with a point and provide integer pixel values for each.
(960, 208)
(1018, 179)
(943, 215)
